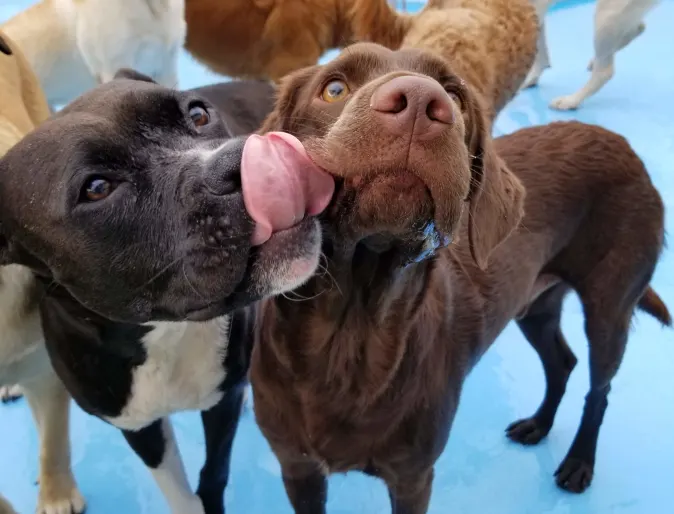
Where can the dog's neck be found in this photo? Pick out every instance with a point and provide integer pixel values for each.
(349, 327)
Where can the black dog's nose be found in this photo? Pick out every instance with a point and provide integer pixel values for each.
(223, 168)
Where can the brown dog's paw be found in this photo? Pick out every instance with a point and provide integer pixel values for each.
(9, 394)
(574, 475)
(59, 495)
(527, 431)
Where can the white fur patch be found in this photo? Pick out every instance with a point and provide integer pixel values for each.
(183, 371)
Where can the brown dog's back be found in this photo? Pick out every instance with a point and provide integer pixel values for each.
(589, 198)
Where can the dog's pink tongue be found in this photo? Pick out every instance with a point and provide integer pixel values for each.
(281, 184)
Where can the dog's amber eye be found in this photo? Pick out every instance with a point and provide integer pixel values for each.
(199, 116)
(96, 189)
(335, 91)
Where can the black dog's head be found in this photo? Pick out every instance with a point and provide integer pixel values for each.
(131, 199)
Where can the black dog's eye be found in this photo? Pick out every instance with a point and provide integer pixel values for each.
(96, 189)
(199, 115)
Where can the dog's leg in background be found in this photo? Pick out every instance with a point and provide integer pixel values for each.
(611, 34)
(626, 40)
(50, 405)
(157, 447)
(542, 61)
(541, 327)
(220, 424)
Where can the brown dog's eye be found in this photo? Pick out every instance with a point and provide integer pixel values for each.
(96, 189)
(199, 116)
(335, 91)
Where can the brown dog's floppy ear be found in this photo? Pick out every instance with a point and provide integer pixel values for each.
(130, 74)
(4, 47)
(496, 195)
(287, 93)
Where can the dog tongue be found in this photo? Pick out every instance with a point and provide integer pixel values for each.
(281, 184)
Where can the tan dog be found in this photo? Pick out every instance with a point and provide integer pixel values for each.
(490, 43)
(23, 356)
(74, 45)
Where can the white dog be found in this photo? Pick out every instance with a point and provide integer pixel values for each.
(73, 45)
(616, 24)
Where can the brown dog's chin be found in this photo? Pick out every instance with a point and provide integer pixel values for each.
(396, 203)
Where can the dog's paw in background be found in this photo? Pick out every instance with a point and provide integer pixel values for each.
(9, 394)
(565, 103)
(59, 495)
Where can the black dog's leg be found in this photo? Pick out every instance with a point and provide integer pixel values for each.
(542, 330)
(220, 424)
(156, 446)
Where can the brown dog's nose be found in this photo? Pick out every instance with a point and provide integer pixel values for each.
(413, 103)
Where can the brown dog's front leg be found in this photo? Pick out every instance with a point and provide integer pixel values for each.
(411, 495)
(306, 486)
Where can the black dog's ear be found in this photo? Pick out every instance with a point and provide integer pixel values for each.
(128, 73)
(4, 47)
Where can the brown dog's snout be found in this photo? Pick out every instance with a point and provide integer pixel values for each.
(410, 103)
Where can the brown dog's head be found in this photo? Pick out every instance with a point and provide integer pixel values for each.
(409, 145)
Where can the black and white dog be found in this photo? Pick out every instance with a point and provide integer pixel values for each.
(129, 208)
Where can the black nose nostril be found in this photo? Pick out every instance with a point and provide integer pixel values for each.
(225, 179)
(223, 169)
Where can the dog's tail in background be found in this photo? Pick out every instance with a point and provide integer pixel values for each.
(378, 21)
(5, 507)
(652, 304)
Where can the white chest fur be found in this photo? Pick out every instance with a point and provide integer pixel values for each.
(183, 371)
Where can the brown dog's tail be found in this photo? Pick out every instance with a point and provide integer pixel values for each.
(652, 304)
(379, 22)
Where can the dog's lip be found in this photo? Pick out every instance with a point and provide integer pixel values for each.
(245, 291)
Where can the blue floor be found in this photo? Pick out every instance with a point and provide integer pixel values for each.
(481, 472)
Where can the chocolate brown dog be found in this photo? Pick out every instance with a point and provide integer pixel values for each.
(367, 374)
